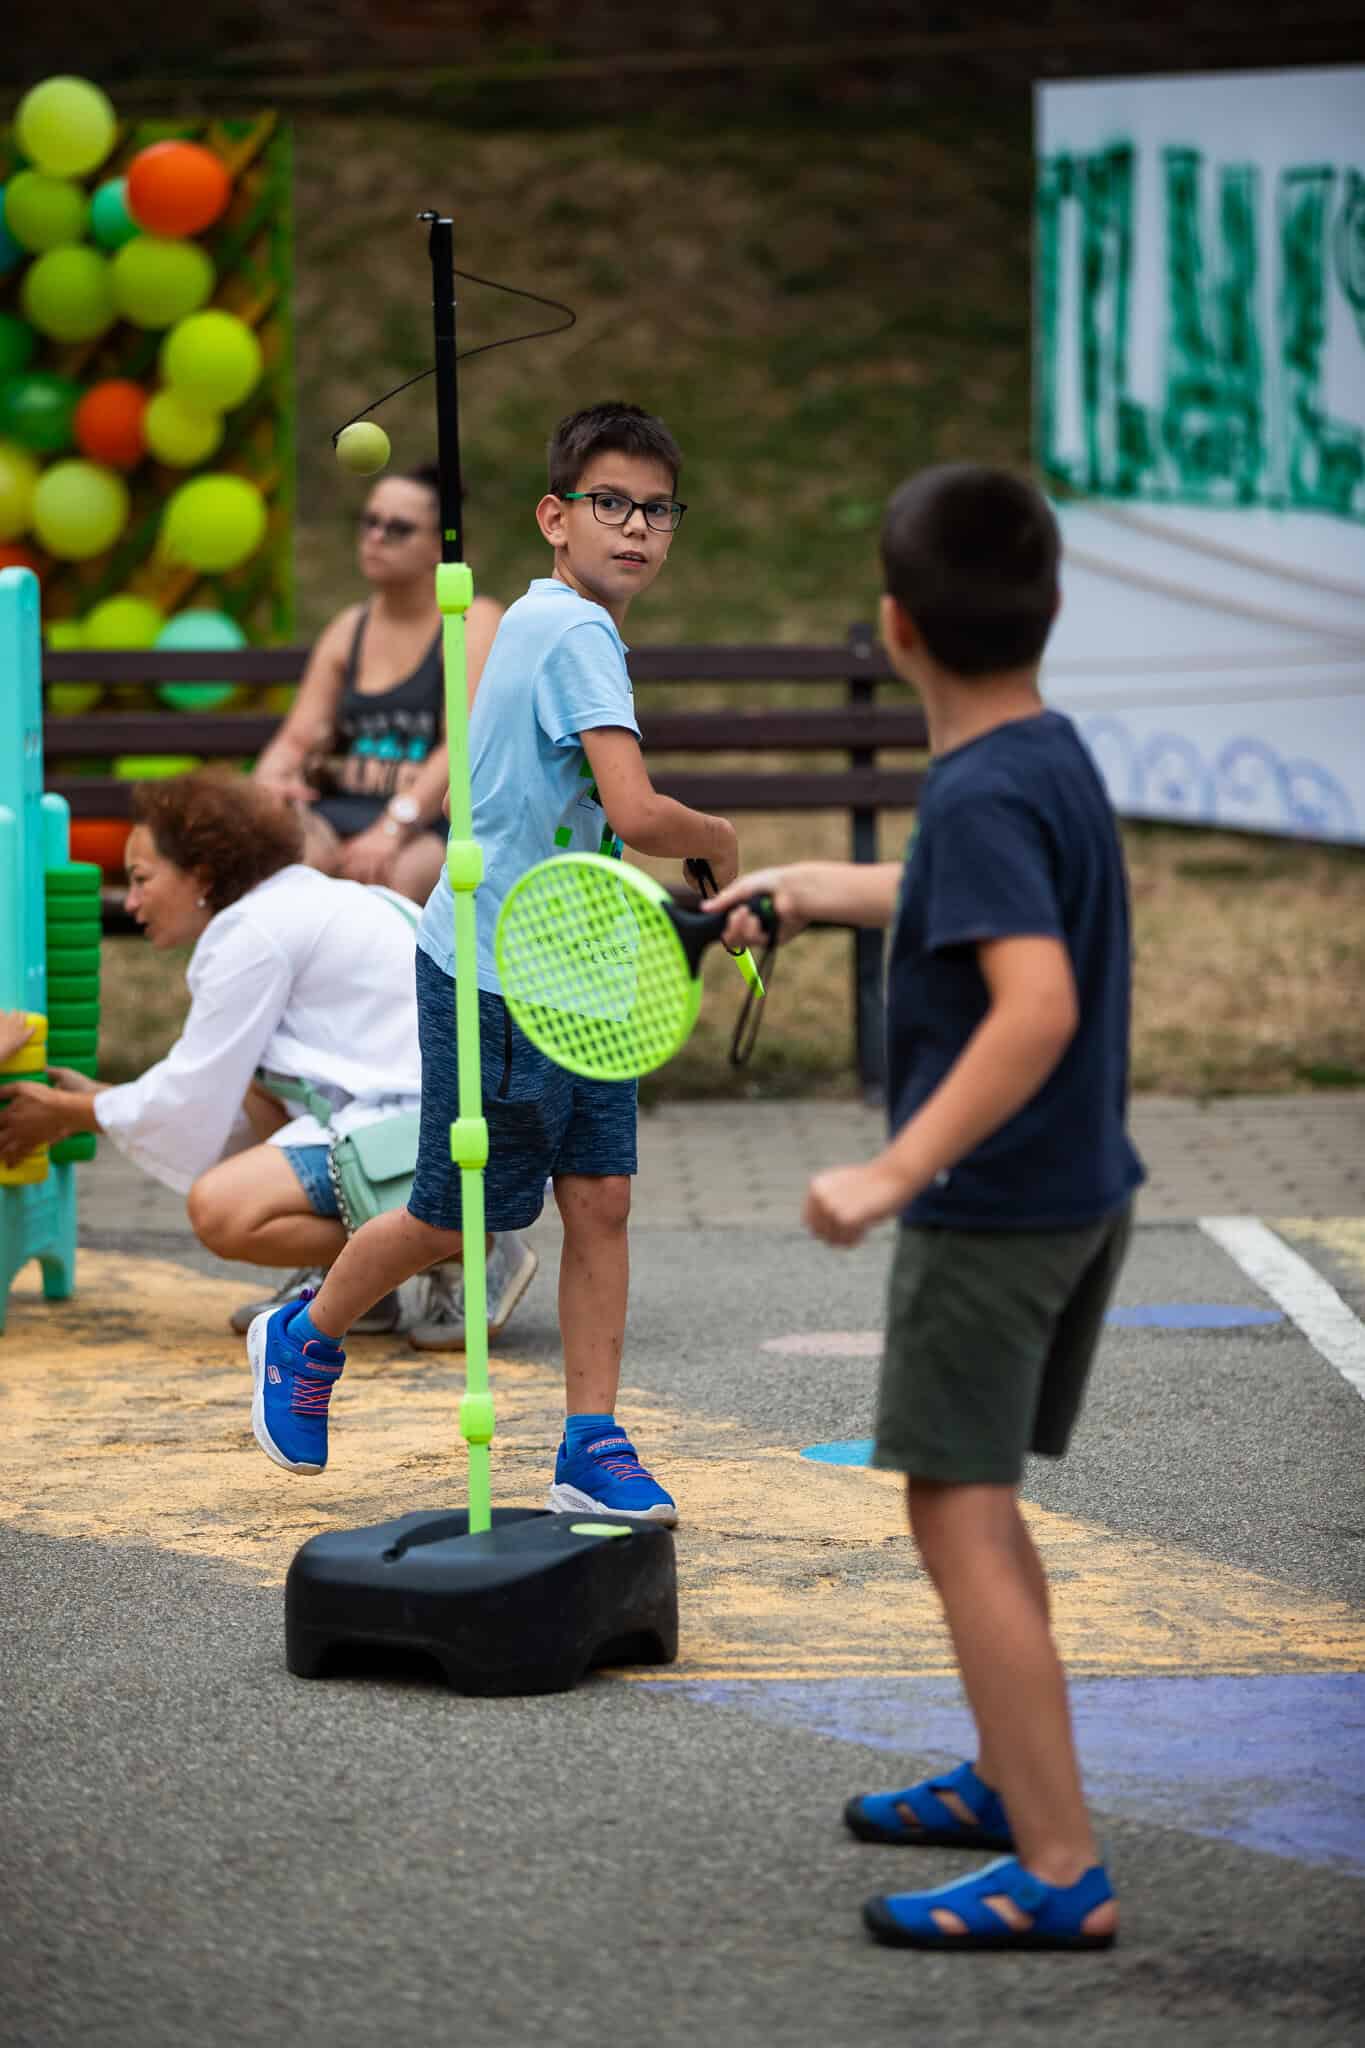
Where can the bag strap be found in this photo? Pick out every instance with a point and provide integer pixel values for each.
(291, 1086)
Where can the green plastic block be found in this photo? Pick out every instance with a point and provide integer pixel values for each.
(72, 957)
(64, 1017)
(469, 1142)
(71, 1151)
(74, 878)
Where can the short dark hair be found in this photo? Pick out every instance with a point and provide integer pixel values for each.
(231, 832)
(427, 474)
(610, 428)
(971, 554)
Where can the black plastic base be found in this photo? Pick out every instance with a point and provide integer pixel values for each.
(527, 1606)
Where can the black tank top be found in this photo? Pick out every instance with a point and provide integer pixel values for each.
(385, 735)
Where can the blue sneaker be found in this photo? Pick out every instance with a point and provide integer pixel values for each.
(606, 1477)
(292, 1389)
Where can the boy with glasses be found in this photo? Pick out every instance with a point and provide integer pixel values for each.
(555, 763)
(1010, 1172)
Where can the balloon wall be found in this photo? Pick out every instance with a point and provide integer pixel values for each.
(146, 409)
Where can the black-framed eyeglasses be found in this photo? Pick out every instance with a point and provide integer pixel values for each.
(390, 531)
(613, 508)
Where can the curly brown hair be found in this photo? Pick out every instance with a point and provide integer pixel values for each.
(229, 832)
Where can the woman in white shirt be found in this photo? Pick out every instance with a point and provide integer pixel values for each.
(293, 972)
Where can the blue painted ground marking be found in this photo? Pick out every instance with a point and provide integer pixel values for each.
(1275, 1764)
(1191, 1315)
(857, 1451)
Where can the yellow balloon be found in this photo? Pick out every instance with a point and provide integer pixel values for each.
(67, 294)
(68, 700)
(212, 360)
(66, 125)
(157, 281)
(79, 509)
(18, 481)
(43, 212)
(213, 523)
(126, 621)
(178, 434)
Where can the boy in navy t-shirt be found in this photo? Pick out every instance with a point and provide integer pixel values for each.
(1010, 1170)
(555, 765)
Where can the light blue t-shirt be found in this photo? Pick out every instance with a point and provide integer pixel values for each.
(557, 668)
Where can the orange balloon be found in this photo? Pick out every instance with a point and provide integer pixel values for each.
(177, 188)
(108, 423)
(14, 557)
(101, 840)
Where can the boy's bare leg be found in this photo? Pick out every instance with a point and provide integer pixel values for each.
(383, 1254)
(594, 1279)
(995, 1602)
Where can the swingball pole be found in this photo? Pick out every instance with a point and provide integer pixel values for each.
(464, 865)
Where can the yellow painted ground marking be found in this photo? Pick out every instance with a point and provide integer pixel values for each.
(125, 1418)
(1344, 1235)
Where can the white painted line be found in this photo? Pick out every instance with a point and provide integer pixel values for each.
(1301, 1292)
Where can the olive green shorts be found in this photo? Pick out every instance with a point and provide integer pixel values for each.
(989, 1339)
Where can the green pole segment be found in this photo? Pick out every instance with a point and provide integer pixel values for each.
(464, 865)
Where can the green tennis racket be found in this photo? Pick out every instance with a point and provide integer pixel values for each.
(602, 970)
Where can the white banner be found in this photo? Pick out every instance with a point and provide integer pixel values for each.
(1199, 410)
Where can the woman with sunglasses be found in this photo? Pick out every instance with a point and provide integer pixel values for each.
(363, 747)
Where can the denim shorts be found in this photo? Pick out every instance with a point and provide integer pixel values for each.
(541, 1120)
(310, 1164)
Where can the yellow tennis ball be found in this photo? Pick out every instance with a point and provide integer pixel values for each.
(363, 447)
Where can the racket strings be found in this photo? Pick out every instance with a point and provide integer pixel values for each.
(595, 977)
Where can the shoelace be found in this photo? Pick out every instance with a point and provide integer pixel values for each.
(311, 1393)
(622, 1464)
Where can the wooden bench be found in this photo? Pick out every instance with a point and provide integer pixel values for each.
(859, 728)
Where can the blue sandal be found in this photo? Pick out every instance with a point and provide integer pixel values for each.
(1057, 1913)
(877, 1816)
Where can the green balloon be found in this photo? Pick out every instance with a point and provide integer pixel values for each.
(66, 125)
(43, 212)
(111, 224)
(18, 482)
(157, 281)
(123, 622)
(67, 294)
(18, 345)
(212, 360)
(200, 632)
(179, 435)
(79, 509)
(37, 411)
(213, 523)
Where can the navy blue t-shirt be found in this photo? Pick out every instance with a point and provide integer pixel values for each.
(1016, 839)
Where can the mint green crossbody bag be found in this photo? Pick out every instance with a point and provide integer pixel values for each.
(371, 1170)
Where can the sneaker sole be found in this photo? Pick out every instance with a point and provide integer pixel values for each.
(255, 1351)
(567, 1500)
(511, 1294)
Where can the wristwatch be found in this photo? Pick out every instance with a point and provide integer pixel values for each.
(400, 814)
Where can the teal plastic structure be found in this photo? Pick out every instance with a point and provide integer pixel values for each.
(37, 1222)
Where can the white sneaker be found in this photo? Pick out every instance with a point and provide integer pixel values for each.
(242, 1318)
(510, 1270)
(399, 1310)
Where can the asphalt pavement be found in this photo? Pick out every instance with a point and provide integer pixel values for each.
(198, 1848)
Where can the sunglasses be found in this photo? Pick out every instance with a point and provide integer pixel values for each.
(390, 531)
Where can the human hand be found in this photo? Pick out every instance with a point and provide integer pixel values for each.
(15, 1032)
(285, 782)
(29, 1117)
(369, 857)
(74, 1083)
(782, 886)
(844, 1202)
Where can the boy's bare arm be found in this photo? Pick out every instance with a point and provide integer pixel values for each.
(1031, 1021)
(812, 892)
(645, 819)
